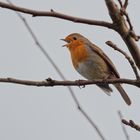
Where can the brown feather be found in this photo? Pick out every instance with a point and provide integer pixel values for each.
(106, 59)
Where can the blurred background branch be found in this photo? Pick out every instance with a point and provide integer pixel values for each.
(123, 128)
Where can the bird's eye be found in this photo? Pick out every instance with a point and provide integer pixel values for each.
(74, 38)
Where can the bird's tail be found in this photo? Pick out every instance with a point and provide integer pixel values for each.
(106, 88)
(123, 93)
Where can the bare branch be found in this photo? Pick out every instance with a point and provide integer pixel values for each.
(123, 12)
(49, 82)
(125, 4)
(123, 128)
(131, 123)
(52, 13)
(132, 64)
(120, 2)
(91, 122)
(122, 28)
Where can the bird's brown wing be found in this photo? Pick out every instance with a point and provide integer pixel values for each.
(105, 58)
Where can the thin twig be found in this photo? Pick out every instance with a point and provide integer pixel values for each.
(59, 72)
(125, 4)
(91, 122)
(132, 124)
(123, 128)
(50, 82)
(53, 13)
(123, 11)
(120, 2)
(132, 64)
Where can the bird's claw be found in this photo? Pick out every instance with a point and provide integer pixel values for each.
(80, 84)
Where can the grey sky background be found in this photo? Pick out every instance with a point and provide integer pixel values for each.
(32, 113)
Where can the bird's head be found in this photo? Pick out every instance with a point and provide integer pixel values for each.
(73, 40)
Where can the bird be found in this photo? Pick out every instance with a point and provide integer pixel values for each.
(92, 63)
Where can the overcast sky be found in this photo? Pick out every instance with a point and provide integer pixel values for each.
(32, 113)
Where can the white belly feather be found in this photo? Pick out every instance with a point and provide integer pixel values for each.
(91, 70)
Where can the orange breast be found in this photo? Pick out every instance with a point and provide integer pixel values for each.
(78, 54)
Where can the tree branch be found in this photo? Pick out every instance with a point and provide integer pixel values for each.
(52, 13)
(124, 12)
(122, 28)
(132, 64)
(50, 82)
(131, 123)
(125, 4)
(123, 127)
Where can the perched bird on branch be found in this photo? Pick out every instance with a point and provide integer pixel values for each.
(92, 63)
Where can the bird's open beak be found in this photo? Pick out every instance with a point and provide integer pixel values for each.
(65, 45)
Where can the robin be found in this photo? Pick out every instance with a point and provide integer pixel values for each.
(92, 63)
